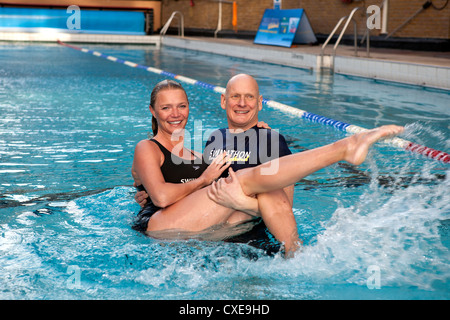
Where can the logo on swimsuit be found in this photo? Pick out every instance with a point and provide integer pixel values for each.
(186, 180)
(262, 146)
(235, 155)
(249, 147)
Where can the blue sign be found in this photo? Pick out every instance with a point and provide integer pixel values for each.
(284, 27)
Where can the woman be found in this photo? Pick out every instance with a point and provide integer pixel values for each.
(161, 165)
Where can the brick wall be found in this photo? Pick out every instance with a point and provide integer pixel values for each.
(204, 13)
(323, 15)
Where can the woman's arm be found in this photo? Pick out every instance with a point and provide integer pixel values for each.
(146, 171)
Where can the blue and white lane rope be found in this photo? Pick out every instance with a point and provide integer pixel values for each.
(396, 142)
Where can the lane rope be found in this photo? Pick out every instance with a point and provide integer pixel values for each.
(342, 126)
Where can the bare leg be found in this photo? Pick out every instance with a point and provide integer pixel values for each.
(197, 212)
(276, 211)
(294, 167)
(239, 217)
(275, 206)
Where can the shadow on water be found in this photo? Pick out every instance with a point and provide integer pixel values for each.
(40, 205)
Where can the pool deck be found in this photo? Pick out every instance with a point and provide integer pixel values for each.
(428, 69)
(422, 68)
(54, 36)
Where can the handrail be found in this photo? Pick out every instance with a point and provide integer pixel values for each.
(169, 21)
(219, 19)
(332, 34)
(349, 18)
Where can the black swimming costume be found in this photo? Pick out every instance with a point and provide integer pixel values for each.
(174, 170)
(246, 149)
(259, 146)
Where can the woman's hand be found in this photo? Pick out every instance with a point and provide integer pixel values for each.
(228, 193)
(216, 168)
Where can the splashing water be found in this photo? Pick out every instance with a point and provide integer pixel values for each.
(401, 238)
(400, 235)
(377, 231)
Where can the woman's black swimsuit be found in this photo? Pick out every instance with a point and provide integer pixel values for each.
(174, 170)
(184, 171)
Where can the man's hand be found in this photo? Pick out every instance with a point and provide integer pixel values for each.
(228, 193)
(140, 197)
(262, 124)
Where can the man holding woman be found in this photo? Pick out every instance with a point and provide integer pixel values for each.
(197, 205)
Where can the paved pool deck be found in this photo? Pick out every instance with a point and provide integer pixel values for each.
(422, 68)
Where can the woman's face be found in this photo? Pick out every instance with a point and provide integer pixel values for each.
(171, 110)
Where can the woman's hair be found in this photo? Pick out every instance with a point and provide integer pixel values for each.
(163, 85)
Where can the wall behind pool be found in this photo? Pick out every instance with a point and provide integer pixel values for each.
(87, 21)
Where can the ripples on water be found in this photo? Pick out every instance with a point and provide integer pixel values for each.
(68, 127)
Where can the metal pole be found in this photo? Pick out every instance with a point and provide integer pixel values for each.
(426, 5)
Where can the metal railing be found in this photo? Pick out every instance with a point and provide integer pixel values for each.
(169, 21)
(219, 20)
(355, 34)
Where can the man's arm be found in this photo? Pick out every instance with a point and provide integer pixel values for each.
(140, 197)
(228, 193)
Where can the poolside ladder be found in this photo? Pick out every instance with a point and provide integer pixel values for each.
(169, 21)
(329, 62)
(219, 19)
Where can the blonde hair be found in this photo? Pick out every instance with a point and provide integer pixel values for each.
(160, 86)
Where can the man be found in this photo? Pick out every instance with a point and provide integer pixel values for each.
(248, 145)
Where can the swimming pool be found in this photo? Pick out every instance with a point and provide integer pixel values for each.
(68, 126)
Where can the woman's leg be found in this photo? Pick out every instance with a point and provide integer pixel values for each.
(197, 212)
(294, 167)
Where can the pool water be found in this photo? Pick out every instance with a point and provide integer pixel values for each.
(69, 122)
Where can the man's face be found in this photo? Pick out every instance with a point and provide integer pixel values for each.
(242, 102)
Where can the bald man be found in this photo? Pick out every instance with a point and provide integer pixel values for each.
(248, 145)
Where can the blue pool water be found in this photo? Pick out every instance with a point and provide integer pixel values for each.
(69, 122)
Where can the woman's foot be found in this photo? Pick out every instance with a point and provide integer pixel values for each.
(358, 145)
